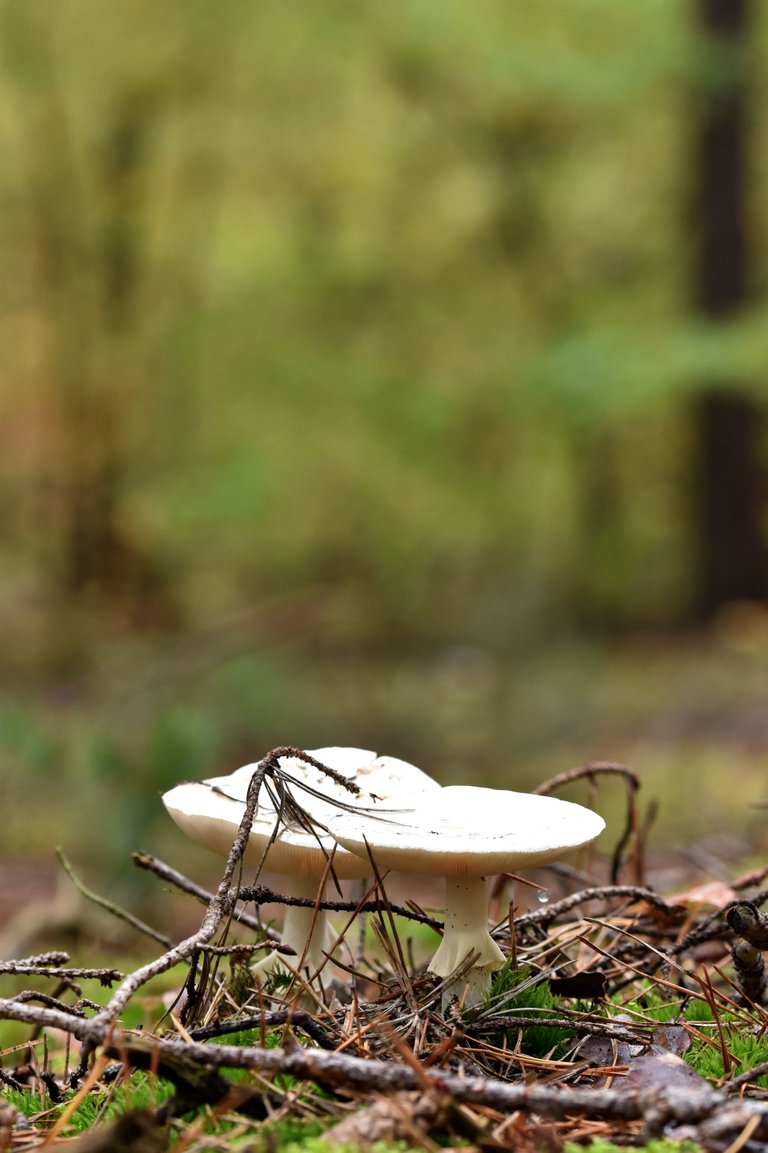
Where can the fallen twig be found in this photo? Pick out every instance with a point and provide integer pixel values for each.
(549, 913)
(178, 1060)
(110, 906)
(261, 895)
(26, 968)
(174, 877)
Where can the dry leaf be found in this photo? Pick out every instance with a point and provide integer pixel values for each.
(713, 893)
(662, 1070)
(136, 1132)
(395, 1118)
(675, 1038)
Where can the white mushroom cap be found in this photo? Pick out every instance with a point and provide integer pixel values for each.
(212, 820)
(210, 811)
(378, 778)
(464, 834)
(465, 830)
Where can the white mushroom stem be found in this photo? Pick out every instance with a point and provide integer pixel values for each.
(465, 931)
(459, 831)
(310, 946)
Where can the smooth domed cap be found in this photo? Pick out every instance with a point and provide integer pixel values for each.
(465, 830)
(210, 812)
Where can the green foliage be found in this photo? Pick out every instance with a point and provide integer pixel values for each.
(142, 1091)
(34, 750)
(532, 998)
(25, 1101)
(298, 1137)
(348, 352)
(292, 1133)
(657, 1145)
(653, 1005)
(746, 1049)
(181, 747)
(746, 1045)
(406, 294)
(698, 1009)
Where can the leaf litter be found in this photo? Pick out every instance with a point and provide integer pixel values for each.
(620, 1015)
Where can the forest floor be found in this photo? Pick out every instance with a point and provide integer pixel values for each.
(619, 1016)
(665, 1040)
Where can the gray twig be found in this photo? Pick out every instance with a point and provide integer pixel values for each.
(25, 968)
(657, 1105)
(174, 877)
(548, 913)
(110, 906)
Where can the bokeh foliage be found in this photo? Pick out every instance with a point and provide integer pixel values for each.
(362, 328)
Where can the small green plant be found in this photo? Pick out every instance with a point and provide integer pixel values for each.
(515, 991)
(140, 1091)
(746, 1050)
(745, 1046)
(658, 1145)
(25, 1101)
(292, 1133)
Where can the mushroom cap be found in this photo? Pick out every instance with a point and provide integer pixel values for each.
(465, 830)
(210, 811)
(379, 779)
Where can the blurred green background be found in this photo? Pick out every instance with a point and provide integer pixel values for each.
(361, 368)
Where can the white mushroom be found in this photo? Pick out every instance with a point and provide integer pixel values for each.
(210, 813)
(465, 834)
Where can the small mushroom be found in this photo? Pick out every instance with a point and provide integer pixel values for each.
(210, 813)
(466, 833)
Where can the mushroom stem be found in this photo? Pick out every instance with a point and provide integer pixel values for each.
(465, 931)
(299, 935)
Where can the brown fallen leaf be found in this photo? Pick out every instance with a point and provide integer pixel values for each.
(600, 1051)
(662, 1070)
(395, 1118)
(713, 894)
(675, 1038)
(136, 1132)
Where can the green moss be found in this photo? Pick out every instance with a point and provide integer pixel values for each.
(660, 1145)
(317, 1144)
(141, 1091)
(292, 1135)
(746, 1049)
(532, 998)
(25, 1102)
(649, 1006)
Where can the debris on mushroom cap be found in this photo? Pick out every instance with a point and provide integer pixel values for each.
(386, 778)
(467, 830)
(212, 820)
(379, 778)
(210, 811)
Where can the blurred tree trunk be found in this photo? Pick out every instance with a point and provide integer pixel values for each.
(85, 278)
(99, 555)
(731, 550)
(101, 558)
